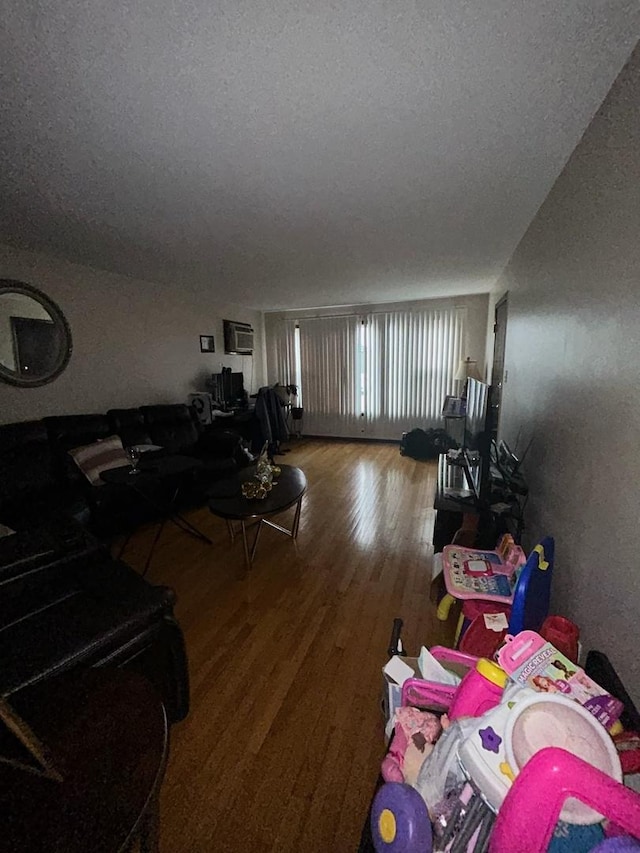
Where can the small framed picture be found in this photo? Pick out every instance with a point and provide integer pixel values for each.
(207, 343)
(452, 407)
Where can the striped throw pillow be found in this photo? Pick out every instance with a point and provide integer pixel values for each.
(94, 458)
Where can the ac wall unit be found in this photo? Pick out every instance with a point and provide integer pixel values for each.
(238, 338)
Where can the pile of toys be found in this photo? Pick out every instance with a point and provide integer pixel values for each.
(520, 753)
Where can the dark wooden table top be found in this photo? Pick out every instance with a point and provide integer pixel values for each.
(106, 733)
(227, 501)
(151, 468)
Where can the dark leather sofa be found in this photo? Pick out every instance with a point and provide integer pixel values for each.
(30, 482)
(64, 602)
(38, 476)
(178, 430)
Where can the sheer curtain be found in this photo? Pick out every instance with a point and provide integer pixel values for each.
(375, 375)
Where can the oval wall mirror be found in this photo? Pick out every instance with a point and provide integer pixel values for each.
(35, 338)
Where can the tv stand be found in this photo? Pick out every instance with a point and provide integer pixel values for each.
(456, 507)
(452, 488)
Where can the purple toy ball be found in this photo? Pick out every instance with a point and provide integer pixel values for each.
(400, 821)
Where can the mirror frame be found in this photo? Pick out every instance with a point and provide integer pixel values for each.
(8, 285)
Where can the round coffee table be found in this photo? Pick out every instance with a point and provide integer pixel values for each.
(226, 501)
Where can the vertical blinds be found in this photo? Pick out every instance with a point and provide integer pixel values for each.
(374, 375)
(329, 375)
(411, 361)
(283, 356)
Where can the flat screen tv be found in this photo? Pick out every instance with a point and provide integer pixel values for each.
(228, 388)
(478, 434)
(476, 414)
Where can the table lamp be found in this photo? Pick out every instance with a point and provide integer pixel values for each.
(467, 369)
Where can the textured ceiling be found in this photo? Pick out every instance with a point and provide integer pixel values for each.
(296, 153)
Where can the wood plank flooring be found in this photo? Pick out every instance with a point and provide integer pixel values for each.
(282, 747)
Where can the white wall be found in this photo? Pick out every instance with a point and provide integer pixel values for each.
(573, 362)
(134, 342)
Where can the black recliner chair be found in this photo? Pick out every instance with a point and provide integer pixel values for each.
(75, 606)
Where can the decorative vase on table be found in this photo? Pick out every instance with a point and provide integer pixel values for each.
(264, 471)
(264, 477)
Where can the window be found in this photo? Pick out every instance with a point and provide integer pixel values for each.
(374, 375)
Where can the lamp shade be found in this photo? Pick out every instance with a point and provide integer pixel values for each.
(467, 369)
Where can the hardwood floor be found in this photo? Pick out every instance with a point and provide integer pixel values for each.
(283, 744)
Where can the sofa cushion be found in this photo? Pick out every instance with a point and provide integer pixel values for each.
(26, 461)
(129, 425)
(93, 459)
(173, 427)
(68, 431)
(30, 485)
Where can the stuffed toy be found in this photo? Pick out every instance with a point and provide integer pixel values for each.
(415, 732)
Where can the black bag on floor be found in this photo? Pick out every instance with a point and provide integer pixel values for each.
(425, 444)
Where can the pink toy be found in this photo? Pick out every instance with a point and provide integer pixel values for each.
(501, 743)
(431, 694)
(482, 575)
(454, 658)
(414, 735)
(427, 694)
(480, 690)
(532, 806)
(533, 662)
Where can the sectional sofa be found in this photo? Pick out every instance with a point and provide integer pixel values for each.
(38, 475)
(64, 602)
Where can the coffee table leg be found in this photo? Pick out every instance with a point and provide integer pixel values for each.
(168, 513)
(296, 520)
(247, 557)
(123, 546)
(232, 533)
(149, 836)
(255, 541)
(181, 522)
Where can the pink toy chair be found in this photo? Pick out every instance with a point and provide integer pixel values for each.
(529, 607)
(530, 811)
